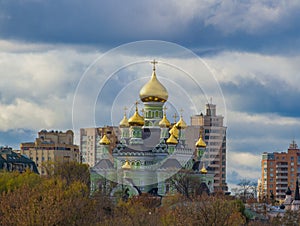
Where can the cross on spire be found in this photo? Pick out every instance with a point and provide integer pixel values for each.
(175, 117)
(154, 62)
(181, 111)
(136, 105)
(125, 110)
(165, 110)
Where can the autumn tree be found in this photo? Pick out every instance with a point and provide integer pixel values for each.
(186, 183)
(205, 210)
(68, 171)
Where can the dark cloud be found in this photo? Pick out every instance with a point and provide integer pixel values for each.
(111, 23)
(14, 137)
(252, 96)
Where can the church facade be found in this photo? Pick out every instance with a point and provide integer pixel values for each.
(151, 149)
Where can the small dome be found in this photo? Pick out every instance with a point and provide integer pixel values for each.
(200, 143)
(104, 140)
(124, 122)
(174, 131)
(203, 170)
(172, 140)
(136, 119)
(154, 91)
(181, 123)
(164, 122)
(126, 165)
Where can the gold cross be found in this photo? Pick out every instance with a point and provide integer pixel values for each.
(154, 62)
(136, 105)
(181, 112)
(175, 117)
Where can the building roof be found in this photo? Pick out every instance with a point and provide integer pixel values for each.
(8, 158)
(171, 163)
(104, 164)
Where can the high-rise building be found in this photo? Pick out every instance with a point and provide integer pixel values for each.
(51, 146)
(280, 171)
(215, 137)
(89, 142)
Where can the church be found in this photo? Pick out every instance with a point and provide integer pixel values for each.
(151, 149)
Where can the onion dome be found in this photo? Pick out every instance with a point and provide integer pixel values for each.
(154, 91)
(164, 122)
(104, 140)
(200, 143)
(136, 119)
(126, 165)
(172, 140)
(203, 170)
(174, 131)
(124, 122)
(181, 123)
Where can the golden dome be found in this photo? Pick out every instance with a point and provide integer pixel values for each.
(164, 122)
(181, 123)
(126, 165)
(154, 91)
(200, 143)
(172, 140)
(136, 119)
(174, 131)
(104, 140)
(124, 122)
(203, 170)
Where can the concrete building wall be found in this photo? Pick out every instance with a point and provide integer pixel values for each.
(89, 142)
(214, 135)
(51, 146)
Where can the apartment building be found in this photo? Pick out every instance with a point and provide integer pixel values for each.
(52, 146)
(90, 149)
(214, 134)
(280, 171)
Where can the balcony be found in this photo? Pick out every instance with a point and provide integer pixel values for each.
(281, 177)
(283, 170)
(281, 182)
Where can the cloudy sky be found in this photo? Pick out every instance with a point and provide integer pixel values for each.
(54, 53)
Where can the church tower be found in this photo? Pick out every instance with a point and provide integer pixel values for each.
(153, 95)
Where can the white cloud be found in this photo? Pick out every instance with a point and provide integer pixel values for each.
(227, 15)
(235, 66)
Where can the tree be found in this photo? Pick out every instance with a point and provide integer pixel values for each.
(51, 201)
(69, 171)
(246, 189)
(205, 210)
(186, 183)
